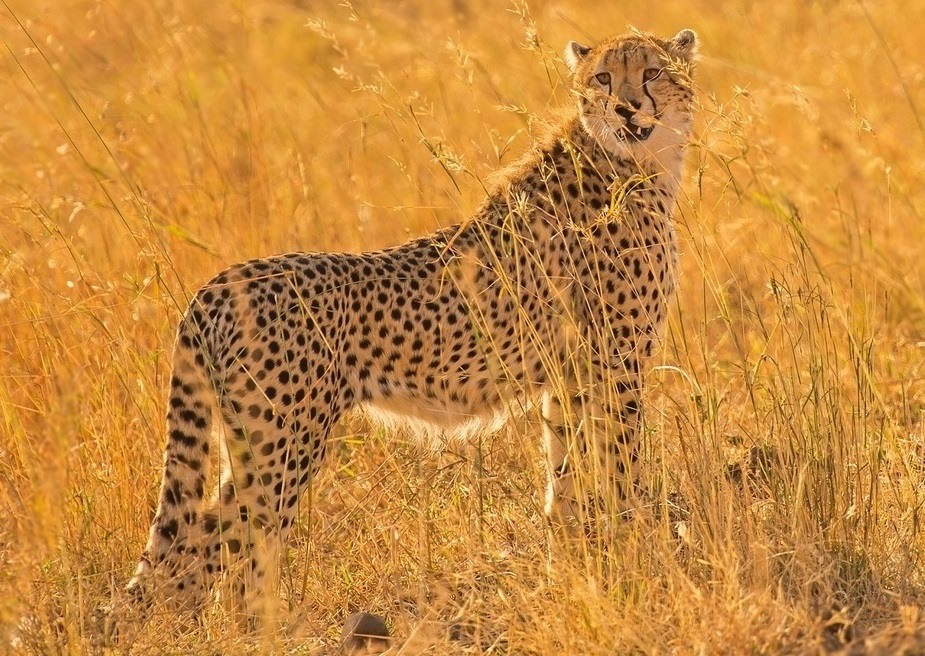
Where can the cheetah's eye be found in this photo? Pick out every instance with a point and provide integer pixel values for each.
(650, 74)
(603, 78)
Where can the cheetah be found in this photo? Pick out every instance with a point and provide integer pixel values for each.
(553, 293)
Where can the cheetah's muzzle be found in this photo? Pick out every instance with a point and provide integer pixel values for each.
(630, 131)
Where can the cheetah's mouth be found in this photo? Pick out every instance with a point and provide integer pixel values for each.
(631, 132)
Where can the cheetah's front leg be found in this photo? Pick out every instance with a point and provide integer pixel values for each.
(591, 442)
(561, 507)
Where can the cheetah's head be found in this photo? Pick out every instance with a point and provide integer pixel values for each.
(635, 93)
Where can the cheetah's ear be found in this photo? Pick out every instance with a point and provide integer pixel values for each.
(574, 53)
(684, 45)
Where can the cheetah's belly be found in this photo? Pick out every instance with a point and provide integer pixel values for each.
(468, 402)
(433, 414)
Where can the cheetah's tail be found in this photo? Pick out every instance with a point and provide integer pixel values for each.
(186, 465)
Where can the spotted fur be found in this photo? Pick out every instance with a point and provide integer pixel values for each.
(554, 291)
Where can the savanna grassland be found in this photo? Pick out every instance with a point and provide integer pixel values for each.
(146, 145)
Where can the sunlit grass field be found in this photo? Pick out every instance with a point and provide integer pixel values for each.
(146, 145)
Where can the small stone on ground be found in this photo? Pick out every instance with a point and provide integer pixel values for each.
(364, 633)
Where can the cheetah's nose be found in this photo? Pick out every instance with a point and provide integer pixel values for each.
(625, 112)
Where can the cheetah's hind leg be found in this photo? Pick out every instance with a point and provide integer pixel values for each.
(276, 443)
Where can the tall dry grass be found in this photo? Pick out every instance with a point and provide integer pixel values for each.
(145, 145)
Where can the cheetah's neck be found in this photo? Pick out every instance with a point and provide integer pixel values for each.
(572, 178)
(660, 171)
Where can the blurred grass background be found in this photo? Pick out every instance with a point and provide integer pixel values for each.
(146, 145)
